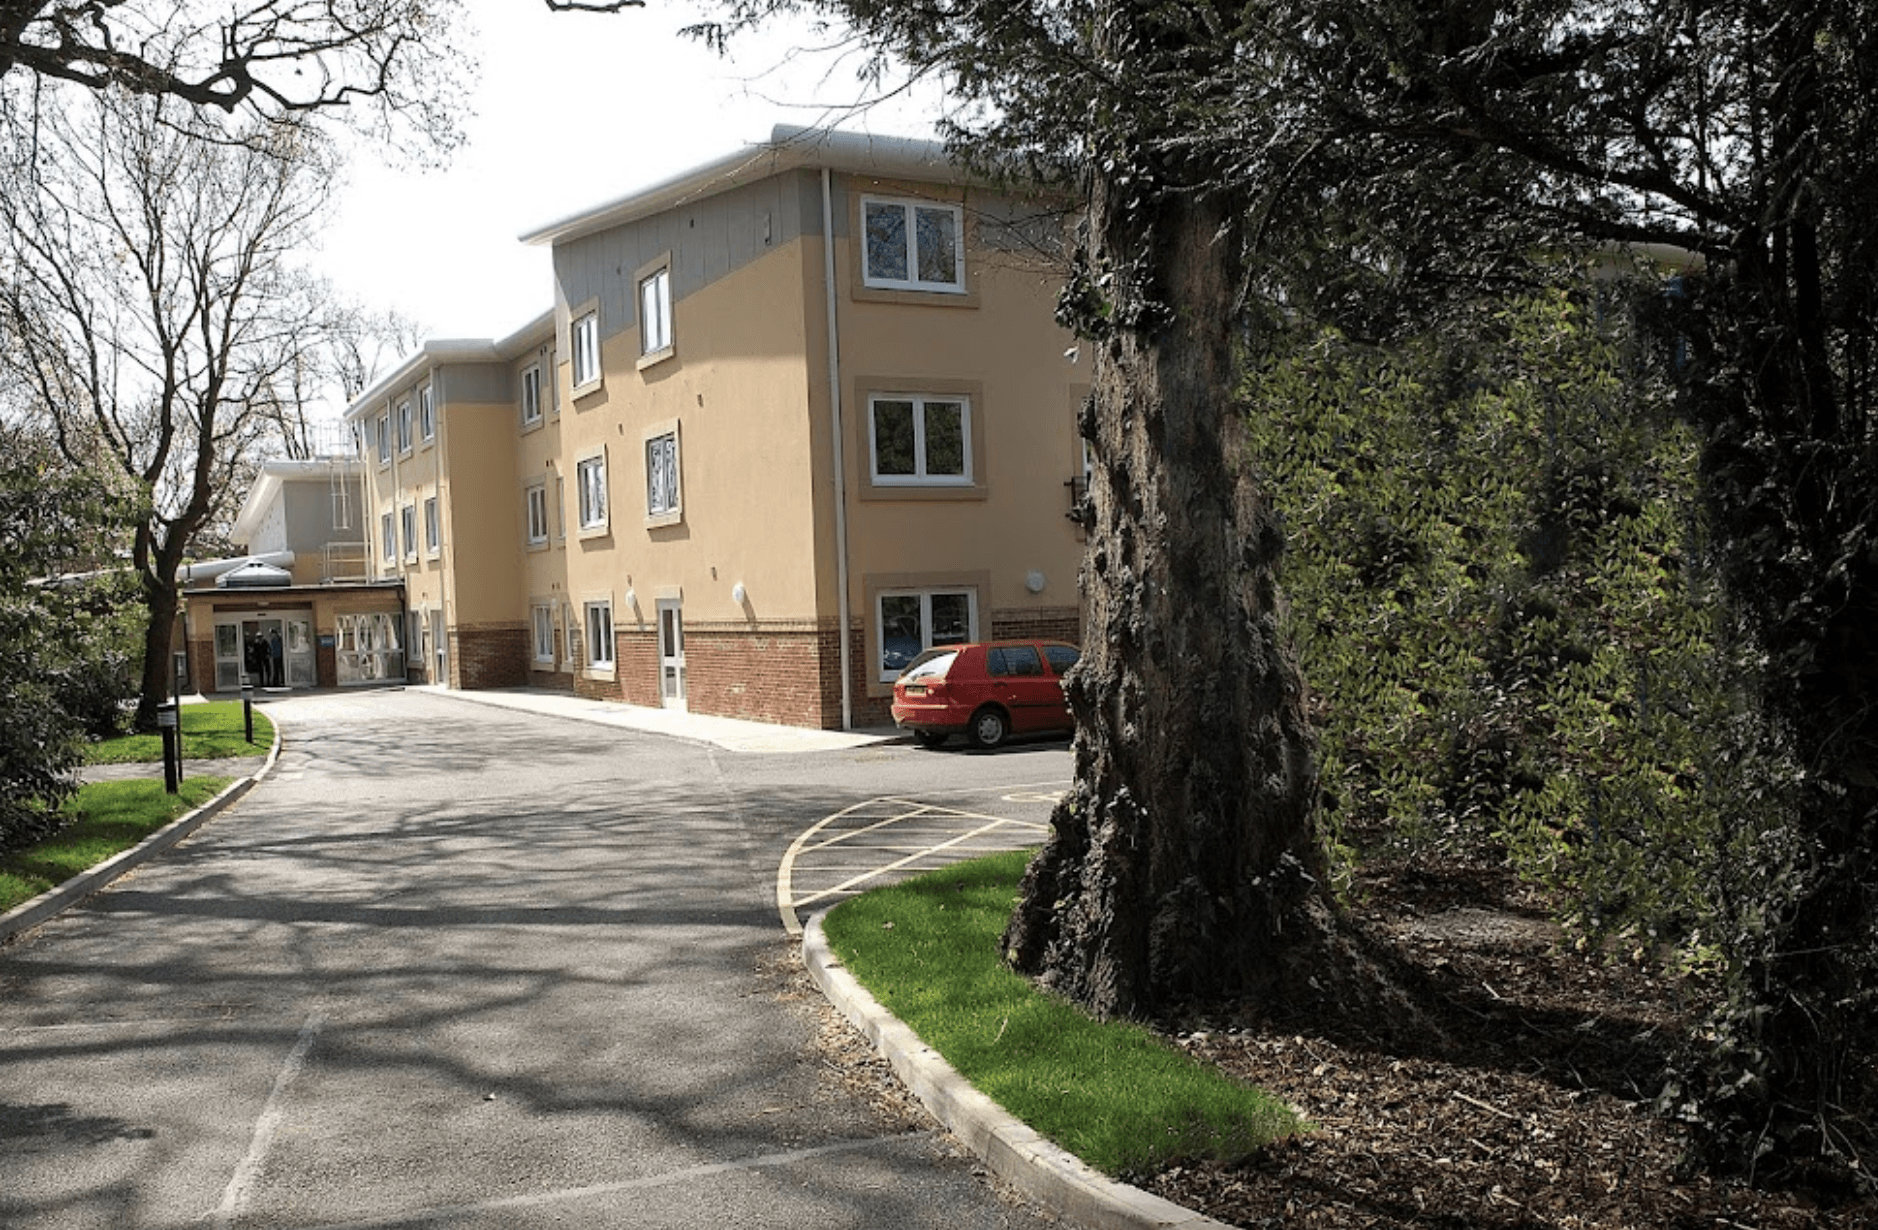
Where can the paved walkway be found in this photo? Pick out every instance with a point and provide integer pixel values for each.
(454, 966)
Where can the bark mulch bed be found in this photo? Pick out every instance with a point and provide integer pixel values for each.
(1528, 1104)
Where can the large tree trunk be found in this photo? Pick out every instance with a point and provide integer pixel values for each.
(1185, 862)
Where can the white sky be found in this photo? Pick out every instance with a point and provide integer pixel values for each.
(572, 109)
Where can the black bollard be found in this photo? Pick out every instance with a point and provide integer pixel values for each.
(172, 747)
(247, 710)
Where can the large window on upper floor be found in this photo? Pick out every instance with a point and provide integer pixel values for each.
(655, 310)
(407, 522)
(664, 482)
(535, 502)
(404, 426)
(384, 438)
(585, 333)
(916, 440)
(531, 395)
(590, 492)
(912, 245)
(427, 413)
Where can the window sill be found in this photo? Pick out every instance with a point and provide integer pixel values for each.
(658, 521)
(596, 385)
(924, 491)
(534, 544)
(530, 426)
(594, 531)
(656, 357)
(935, 297)
(605, 674)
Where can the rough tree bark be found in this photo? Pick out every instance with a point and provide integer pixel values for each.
(1185, 863)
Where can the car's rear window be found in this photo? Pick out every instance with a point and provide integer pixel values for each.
(1062, 657)
(932, 668)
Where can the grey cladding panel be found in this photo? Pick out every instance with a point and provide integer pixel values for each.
(476, 382)
(709, 239)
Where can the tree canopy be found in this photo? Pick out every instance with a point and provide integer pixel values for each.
(389, 67)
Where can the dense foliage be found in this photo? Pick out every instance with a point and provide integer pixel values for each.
(1508, 611)
(67, 662)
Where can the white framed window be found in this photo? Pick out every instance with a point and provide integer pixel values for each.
(663, 491)
(912, 245)
(655, 311)
(536, 502)
(560, 506)
(387, 536)
(407, 517)
(541, 618)
(911, 621)
(384, 438)
(586, 338)
(570, 637)
(433, 526)
(404, 426)
(426, 413)
(600, 635)
(590, 491)
(531, 395)
(915, 440)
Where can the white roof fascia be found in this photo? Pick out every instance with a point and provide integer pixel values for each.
(788, 148)
(453, 350)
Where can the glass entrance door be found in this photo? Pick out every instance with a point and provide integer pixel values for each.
(671, 654)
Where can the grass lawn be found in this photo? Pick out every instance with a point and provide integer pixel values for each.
(112, 816)
(211, 731)
(1109, 1092)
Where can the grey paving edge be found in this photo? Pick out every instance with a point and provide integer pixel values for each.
(1011, 1150)
(29, 914)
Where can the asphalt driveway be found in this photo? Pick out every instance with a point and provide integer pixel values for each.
(453, 965)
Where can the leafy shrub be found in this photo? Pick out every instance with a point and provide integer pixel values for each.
(1499, 586)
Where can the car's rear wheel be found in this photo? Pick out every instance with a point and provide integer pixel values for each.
(929, 738)
(989, 727)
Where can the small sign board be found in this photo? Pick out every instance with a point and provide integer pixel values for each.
(166, 716)
(328, 640)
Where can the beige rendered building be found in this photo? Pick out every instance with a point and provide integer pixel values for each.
(796, 415)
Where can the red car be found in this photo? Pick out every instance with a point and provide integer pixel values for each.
(988, 691)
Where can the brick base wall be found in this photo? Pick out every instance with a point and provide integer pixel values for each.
(552, 681)
(489, 656)
(636, 663)
(1047, 624)
(764, 676)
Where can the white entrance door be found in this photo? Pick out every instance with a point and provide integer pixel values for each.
(230, 658)
(671, 654)
(302, 667)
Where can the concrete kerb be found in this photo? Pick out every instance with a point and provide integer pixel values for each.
(1008, 1148)
(29, 914)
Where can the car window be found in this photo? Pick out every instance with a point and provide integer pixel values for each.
(934, 667)
(1013, 660)
(1062, 657)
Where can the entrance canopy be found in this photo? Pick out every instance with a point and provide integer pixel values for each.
(254, 575)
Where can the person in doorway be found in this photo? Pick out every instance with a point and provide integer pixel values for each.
(255, 659)
(276, 677)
